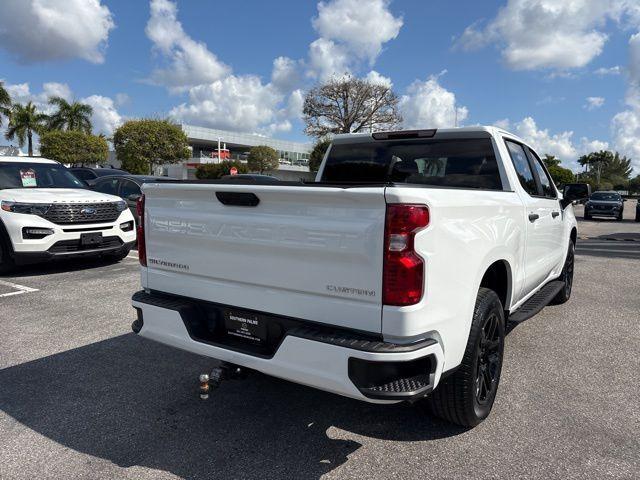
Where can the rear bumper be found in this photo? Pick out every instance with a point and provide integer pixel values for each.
(336, 361)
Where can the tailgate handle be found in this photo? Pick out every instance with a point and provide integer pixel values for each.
(238, 199)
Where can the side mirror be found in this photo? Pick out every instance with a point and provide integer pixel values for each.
(134, 197)
(575, 192)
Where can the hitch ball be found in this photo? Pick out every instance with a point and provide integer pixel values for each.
(204, 386)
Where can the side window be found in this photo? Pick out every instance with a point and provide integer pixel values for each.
(545, 180)
(523, 168)
(127, 188)
(107, 186)
(83, 174)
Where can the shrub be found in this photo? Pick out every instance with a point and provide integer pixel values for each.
(214, 171)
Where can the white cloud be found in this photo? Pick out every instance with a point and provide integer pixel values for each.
(560, 35)
(351, 32)
(216, 97)
(37, 30)
(625, 125)
(376, 78)
(615, 70)
(594, 103)
(241, 103)
(295, 104)
(362, 26)
(587, 146)
(285, 75)
(427, 104)
(328, 59)
(560, 144)
(189, 62)
(543, 142)
(504, 124)
(21, 93)
(105, 118)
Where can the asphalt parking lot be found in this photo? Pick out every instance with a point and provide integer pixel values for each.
(83, 397)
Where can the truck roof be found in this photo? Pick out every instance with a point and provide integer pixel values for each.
(25, 160)
(465, 132)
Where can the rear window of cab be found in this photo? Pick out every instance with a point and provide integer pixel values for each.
(455, 163)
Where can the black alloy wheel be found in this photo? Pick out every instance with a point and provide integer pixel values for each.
(489, 361)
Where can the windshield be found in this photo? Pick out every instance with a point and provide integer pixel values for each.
(612, 197)
(37, 175)
(461, 163)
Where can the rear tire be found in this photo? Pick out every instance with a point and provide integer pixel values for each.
(566, 276)
(466, 397)
(638, 217)
(587, 216)
(619, 217)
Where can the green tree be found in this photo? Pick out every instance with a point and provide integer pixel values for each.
(24, 122)
(142, 144)
(5, 102)
(617, 168)
(262, 158)
(214, 171)
(74, 147)
(561, 175)
(607, 167)
(551, 161)
(634, 185)
(317, 154)
(70, 116)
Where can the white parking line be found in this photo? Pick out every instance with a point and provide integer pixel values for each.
(20, 289)
(133, 255)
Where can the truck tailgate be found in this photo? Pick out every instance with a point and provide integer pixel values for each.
(306, 252)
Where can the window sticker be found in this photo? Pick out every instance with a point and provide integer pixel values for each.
(28, 178)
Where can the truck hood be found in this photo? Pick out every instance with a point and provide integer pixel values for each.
(55, 195)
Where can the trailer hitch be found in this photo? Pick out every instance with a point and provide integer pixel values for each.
(211, 381)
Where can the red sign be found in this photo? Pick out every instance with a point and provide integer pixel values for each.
(233, 171)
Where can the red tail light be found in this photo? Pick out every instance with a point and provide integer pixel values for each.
(142, 248)
(403, 274)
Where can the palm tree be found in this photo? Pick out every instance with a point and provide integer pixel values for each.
(70, 116)
(24, 121)
(5, 102)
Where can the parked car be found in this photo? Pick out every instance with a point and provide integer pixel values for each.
(638, 210)
(89, 175)
(389, 279)
(127, 187)
(47, 214)
(604, 204)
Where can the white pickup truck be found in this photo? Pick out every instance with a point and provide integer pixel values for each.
(388, 279)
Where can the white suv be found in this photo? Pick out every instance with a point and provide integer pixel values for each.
(46, 213)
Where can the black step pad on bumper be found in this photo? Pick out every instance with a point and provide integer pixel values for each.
(535, 304)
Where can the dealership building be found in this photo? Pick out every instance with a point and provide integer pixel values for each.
(209, 145)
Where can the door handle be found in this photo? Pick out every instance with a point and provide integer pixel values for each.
(555, 214)
(533, 217)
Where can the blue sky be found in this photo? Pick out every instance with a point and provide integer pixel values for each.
(565, 77)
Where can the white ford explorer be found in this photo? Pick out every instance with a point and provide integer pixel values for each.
(46, 213)
(388, 279)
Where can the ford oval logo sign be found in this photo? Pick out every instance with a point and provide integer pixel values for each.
(88, 211)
